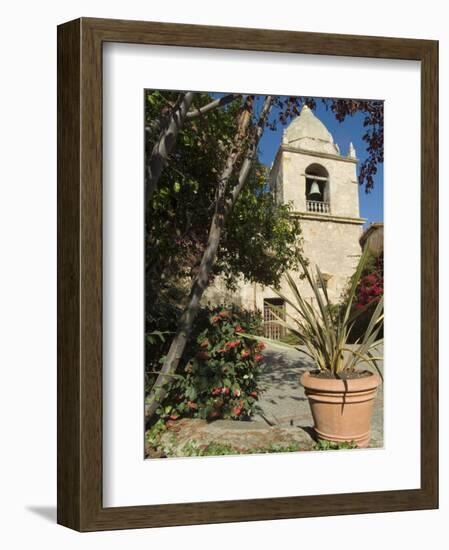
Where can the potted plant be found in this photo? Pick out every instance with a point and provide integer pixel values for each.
(340, 393)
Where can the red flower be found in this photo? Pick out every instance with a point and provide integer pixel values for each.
(253, 393)
(260, 346)
(237, 411)
(237, 392)
(371, 279)
(222, 350)
(174, 417)
(225, 391)
(192, 405)
(232, 344)
(245, 353)
(238, 328)
(258, 358)
(224, 314)
(215, 318)
(204, 343)
(216, 391)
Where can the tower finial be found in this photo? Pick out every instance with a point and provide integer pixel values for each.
(351, 152)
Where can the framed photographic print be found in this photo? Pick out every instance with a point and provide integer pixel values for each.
(241, 334)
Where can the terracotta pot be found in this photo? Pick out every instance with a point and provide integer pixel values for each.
(342, 409)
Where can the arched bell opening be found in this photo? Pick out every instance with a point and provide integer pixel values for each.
(317, 189)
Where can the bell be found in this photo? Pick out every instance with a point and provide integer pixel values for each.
(315, 190)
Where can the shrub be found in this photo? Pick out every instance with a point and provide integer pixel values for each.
(369, 291)
(193, 448)
(371, 285)
(325, 445)
(220, 368)
(160, 324)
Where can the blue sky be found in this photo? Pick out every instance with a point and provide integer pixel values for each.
(371, 204)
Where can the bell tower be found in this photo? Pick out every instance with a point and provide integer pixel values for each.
(310, 172)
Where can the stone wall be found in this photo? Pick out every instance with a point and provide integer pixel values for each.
(332, 245)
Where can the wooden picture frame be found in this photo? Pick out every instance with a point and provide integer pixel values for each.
(80, 504)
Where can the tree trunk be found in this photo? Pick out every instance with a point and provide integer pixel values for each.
(166, 142)
(186, 323)
(222, 208)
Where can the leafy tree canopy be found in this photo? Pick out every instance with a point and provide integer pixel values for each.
(259, 236)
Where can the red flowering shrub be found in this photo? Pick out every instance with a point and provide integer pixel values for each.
(371, 284)
(219, 377)
(369, 290)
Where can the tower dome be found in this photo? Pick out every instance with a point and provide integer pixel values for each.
(309, 133)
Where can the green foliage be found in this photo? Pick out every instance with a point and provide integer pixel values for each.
(161, 320)
(219, 377)
(324, 445)
(260, 239)
(153, 435)
(179, 214)
(277, 448)
(193, 448)
(214, 448)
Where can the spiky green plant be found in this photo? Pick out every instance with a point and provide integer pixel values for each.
(322, 335)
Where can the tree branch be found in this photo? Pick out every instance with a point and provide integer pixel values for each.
(251, 156)
(166, 142)
(220, 102)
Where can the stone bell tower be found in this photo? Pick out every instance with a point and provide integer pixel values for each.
(310, 172)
